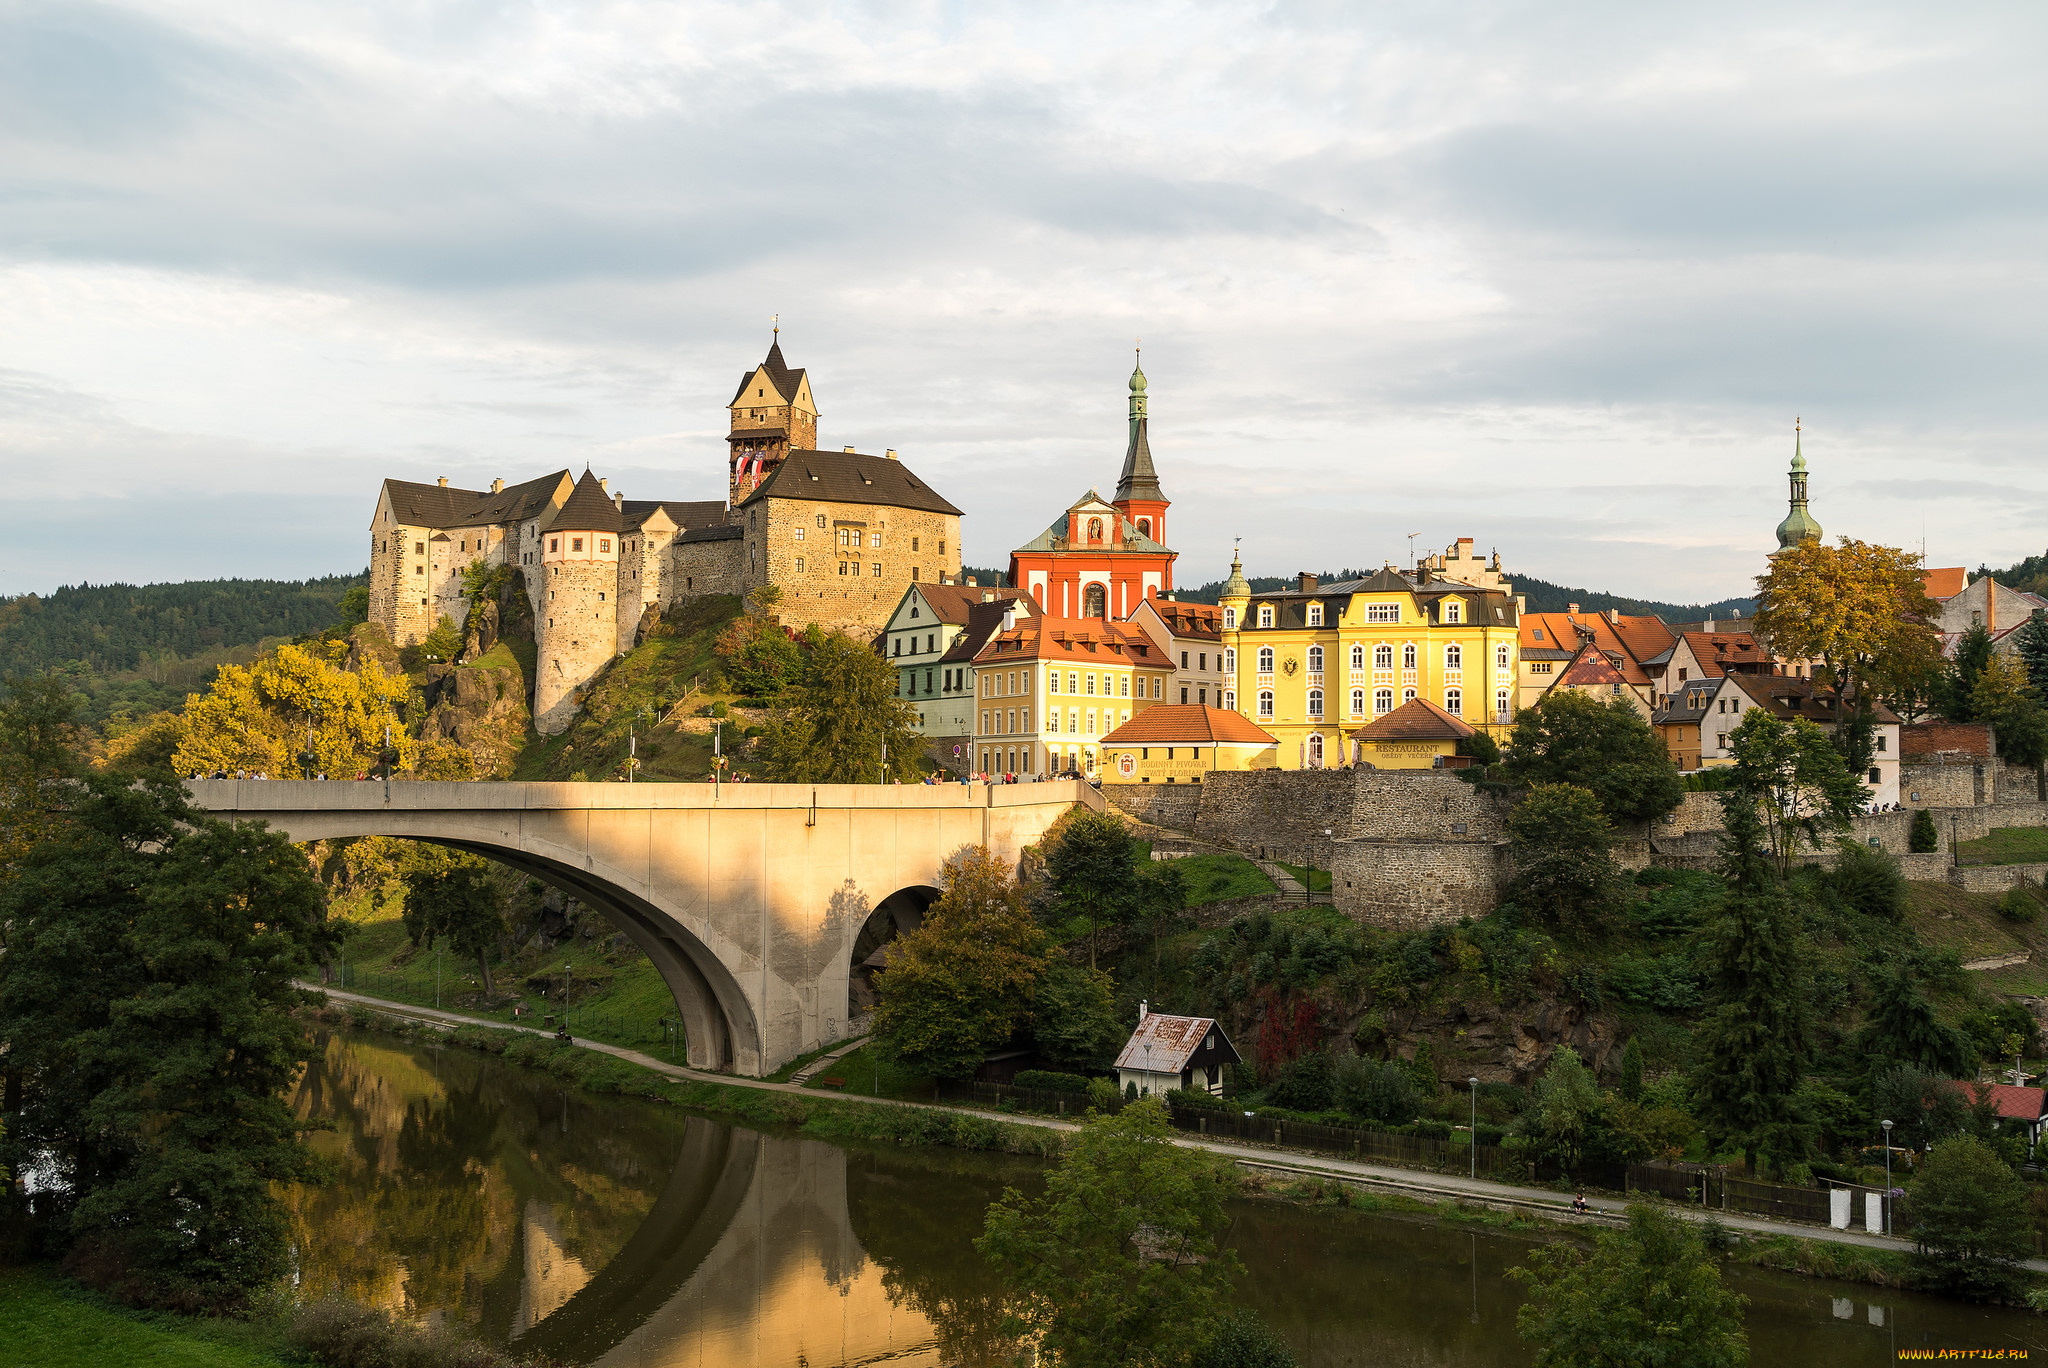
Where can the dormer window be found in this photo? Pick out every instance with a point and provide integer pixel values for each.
(1265, 615)
(1454, 611)
(1315, 615)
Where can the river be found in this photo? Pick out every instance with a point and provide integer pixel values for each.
(616, 1232)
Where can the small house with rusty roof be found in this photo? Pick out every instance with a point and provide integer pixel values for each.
(2022, 1111)
(1168, 1052)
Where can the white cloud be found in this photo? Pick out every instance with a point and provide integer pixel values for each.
(1554, 279)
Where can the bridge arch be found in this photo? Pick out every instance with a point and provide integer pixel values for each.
(749, 899)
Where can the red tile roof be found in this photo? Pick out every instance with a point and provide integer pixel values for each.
(1717, 650)
(1634, 639)
(1416, 720)
(2013, 1104)
(1589, 669)
(1091, 641)
(1188, 724)
(1946, 582)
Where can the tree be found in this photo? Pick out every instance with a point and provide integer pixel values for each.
(257, 716)
(760, 658)
(1971, 1231)
(449, 896)
(1565, 873)
(1902, 1028)
(1570, 738)
(1564, 1108)
(1647, 1294)
(1752, 1048)
(1858, 608)
(1091, 873)
(39, 741)
(1376, 1090)
(354, 607)
(1073, 1016)
(143, 996)
(1869, 879)
(1923, 839)
(844, 717)
(2031, 643)
(1119, 1263)
(1632, 1070)
(444, 643)
(960, 985)
(2004, 698)
(1245, 1341)
(1159, 897)
(1956, 696)
(1791, 777)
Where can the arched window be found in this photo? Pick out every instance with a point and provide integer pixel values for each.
(1408, 695)
(1229, 617)
(1230, 660)
(1500, 705)
(1094, 602)
(1230, 700)
(1408, 656)
(1095, 529)
(1358, 658)
(1382, 702)
(1357, 702)
(1454, 657)
(1315, 702)
(1265, 660)
(1454, 702)
(1265, 702)
(1315, 660)
(1383, 657)
(1500, 657)
(1315, 751)
(1144, 527)
(1265, 615)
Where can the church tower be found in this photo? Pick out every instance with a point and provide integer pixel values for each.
(1799, 525)
(772, 415)
(1138, 496)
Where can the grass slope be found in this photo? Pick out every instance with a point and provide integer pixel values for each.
(51, 1324)
(2007, 845)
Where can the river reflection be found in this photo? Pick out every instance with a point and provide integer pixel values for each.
(607, 1231)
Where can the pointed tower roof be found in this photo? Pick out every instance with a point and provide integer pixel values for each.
(588, 509)
(780, 374)
(1799, 525)
(1139, 480)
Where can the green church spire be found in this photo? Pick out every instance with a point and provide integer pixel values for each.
(1799, 525)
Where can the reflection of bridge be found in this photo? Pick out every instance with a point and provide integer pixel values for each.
(748, 898)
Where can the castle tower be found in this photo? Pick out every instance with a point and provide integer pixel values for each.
(1799, 525)
(772, 415)
(576, 618)
(1138, 496)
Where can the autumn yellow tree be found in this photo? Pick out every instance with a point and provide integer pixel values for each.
(1858, 608)
(258, 716)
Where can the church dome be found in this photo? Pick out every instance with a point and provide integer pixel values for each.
(1137, 380)
(1235, 587)
(1799, 525)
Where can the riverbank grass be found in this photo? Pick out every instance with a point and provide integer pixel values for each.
(47, 1322)
(868, 1076)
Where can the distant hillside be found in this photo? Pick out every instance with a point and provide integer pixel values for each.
(1542, 596)
(2029, 576)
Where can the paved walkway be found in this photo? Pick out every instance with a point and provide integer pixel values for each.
(1289, 1163)
(818, 1065)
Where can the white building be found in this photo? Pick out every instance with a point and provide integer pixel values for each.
(1168, 1052)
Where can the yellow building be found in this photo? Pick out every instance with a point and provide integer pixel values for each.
(1177, 743)
(1047, 690)
(1313, 664)
(1416, 735)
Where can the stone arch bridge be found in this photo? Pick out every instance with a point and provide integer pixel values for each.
(748, 898)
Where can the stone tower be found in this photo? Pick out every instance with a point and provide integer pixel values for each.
(1138, 495)
(1799, 525)
(772, 415)
(576, 613)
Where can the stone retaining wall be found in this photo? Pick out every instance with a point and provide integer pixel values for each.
(1163, 805)
(1278, 813)
(1995, 878)
(1406, 884)
(1941, 785)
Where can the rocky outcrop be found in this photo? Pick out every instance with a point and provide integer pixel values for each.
(370, 642)
(1504, 1045)
(482, 710)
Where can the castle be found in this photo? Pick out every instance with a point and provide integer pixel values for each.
(842, 534)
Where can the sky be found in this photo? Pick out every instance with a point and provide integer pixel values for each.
(1556, 278)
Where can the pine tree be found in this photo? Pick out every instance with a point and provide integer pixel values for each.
(1902, 1029)
(2032, 643)
(1753, 1046)
(1632, 1071)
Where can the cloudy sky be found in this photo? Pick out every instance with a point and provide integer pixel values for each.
(1557, 278)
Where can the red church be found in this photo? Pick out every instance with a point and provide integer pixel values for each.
(1103, 559)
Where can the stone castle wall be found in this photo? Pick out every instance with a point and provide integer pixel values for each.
(576, 632)
(1279, 814)
(917, 547)
(1176, 806)
(1407, 884)
(700, 568)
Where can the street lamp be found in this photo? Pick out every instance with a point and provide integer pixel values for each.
(1887, 1176)
(565, 995)
(1474, 1081)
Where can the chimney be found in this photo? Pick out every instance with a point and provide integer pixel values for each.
(890, 453)
(1571, 607)
(1009, 618)
(604, 484)
(442, 481)
(1305, 583)
(1707, 626)
(497, 486)
(1614, 617)
(848, 450)
(1144, 1009)
(619, 502)
(1521, 604)
(1735, 613)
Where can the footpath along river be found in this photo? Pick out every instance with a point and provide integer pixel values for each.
(618, 1232)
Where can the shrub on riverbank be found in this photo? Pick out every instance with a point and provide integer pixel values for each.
(337, 1333)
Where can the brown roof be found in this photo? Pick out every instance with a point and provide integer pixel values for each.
(2011, 1103)
(685, 514)
(1196, 620)
(983, 621)
(1715, 651)
(1416, 720)
(953, 602)
(436, 505)
(1188, 724)
(1164, 1044)
(1946, 582)
(589, 509)
(779, 374)
(1588, 669)
(1634, 639)
(1089, 640)
(849, 477)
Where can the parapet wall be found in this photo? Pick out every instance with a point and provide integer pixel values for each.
(1279, 814)
(1178, 806)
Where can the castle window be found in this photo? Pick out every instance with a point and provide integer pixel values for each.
(842, 567)
(419, 569)
(875, 570)
(913, 574)
(799, 565)
(799, 534)
(575, 543)
(604, 544)
(419, 548)
(1265, 702)
(913, 543)
(554, 543)
(821, 520)
(600, 596)
(874, 539)
(1454, 702)
(1315, 615)
(1265, 615)
(1265, 660)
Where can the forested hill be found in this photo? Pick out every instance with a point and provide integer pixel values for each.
(109, 629)
(2029, 576)
(1542, 596)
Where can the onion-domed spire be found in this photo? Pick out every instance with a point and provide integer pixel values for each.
(1139, 480)
(1236, 587)
(1799, 525)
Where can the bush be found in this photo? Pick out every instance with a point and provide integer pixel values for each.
(1245, 1341)
(1869, 880)
(1050, 1081)
(1970, 1226)
(2019, 905)
(341, 1334)
(1374, 1091)
(1924, 839)
(1196, 1099)
(1306, 1084)
(1102, 1093)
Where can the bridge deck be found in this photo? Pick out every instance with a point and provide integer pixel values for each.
(345, 795)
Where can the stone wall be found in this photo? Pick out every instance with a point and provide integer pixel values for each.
(577, 636)
(1177, 806)
(1996, 878)
(794, 543)
(2015, 783)
(1407, 884)
(1938, 785)
(1283, 813)
(1431, 805)
(698, 569)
